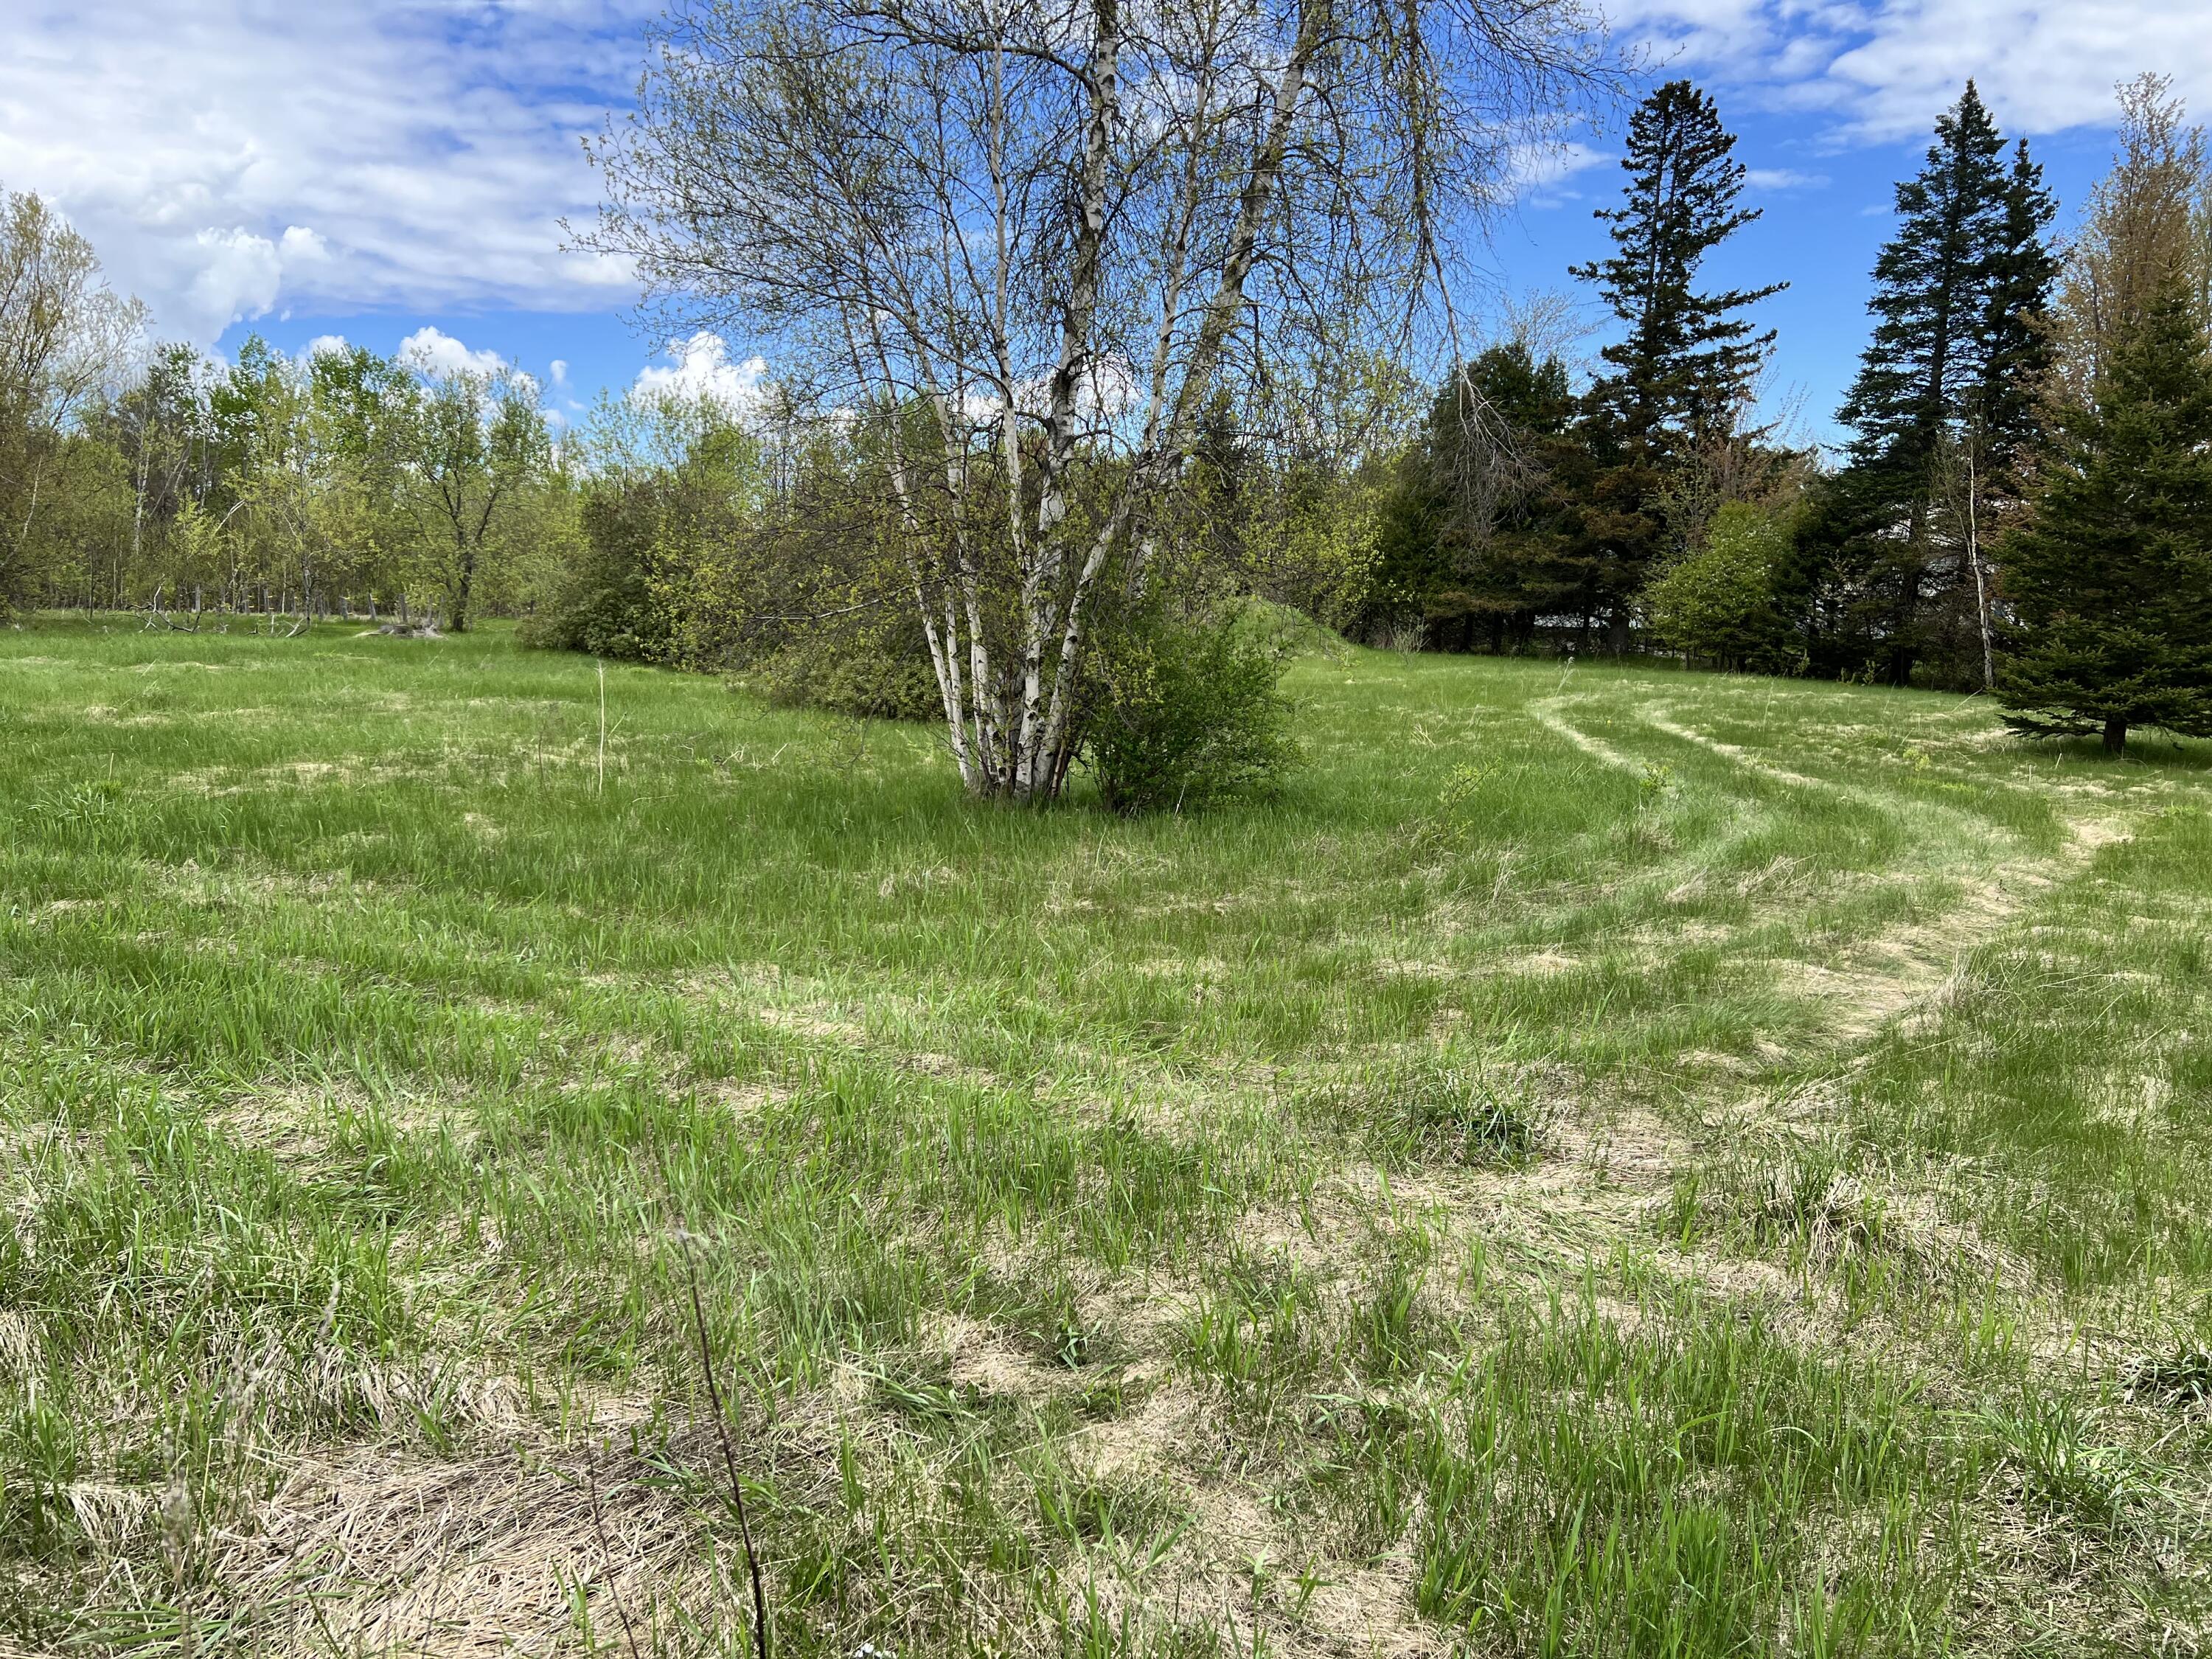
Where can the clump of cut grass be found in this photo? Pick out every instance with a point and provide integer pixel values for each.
(1815, 1203)
(2184, 1377)
(1045, 1313)
(2067, 1465)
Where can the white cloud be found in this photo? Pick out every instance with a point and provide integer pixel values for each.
(1884, 69)
(325, 345)
(1775, 178)
(237, 276)
(702, 368)
(2041, 67)
(1534, 173)
(228, 157)
(432, 351)
(298, 244)
(560, 372)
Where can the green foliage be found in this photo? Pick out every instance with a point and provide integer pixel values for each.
(607, 601)
(1678, 378)
(2110, 578)
(1295, 531)
(1284, 631)
(1959, 349)
(885, 675)
(1186, 712)
(1724, 600)
(1473, 547)
(1956, 292)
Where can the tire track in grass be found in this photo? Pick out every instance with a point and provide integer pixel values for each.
(1868, 984)
(1914, 967)
(1545, 711)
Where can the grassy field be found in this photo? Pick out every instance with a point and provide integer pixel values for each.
(1616, 1163)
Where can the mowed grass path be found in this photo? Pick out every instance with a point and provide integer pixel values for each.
(1615, 1162)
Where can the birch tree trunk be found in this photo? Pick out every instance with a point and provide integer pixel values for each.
(1015, 242)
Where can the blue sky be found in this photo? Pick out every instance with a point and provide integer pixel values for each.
(373, 171)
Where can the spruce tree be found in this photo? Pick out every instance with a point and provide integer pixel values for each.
(1475, 547)
(1957, 355)
(2111, 577)
(1686, 360)
(2016, 344)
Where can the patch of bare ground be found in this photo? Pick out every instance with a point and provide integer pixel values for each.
(812, 1011)
(300, 1122)
(1236, 1558)
(1239, 1560)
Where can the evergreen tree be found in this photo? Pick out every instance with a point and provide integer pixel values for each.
(2110, 578)
(1472, 538)
(1682, 370)
(1958, 351)
(2017, 355)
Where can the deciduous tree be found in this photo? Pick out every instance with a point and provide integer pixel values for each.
(1028, 242)
(473, 442)
(65, 336)
(2147, 224)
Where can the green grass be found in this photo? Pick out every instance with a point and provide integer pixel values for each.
(1614, 1162)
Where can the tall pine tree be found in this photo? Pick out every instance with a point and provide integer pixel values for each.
(2111, 577)
(1686, 359)
(2017, 355)
(1956, 358)
(1473, 547)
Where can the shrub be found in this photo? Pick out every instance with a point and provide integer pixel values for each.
(1720, 601)
(1186, 712)
(1286, 630)
(869, 677)
(607, 602)
(1438, 1107)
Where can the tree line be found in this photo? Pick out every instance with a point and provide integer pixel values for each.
(2024, 505)
(137, 475)
(1094, 335)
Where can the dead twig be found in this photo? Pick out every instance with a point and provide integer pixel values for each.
(606, 1553)
(762, 1645)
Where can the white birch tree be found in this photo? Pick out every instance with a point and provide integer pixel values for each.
(1024, 241)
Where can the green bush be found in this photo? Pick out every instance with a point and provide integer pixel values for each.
(1185, 713)
(1720, 601)
(856, 676)
(1286, 630)
(607, 602)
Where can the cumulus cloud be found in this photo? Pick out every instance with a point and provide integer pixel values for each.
(432, 351)
(2042, 67)
(237, 277)
(701, 367)
(228, 157)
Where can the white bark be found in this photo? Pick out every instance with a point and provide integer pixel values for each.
(1037, 226)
